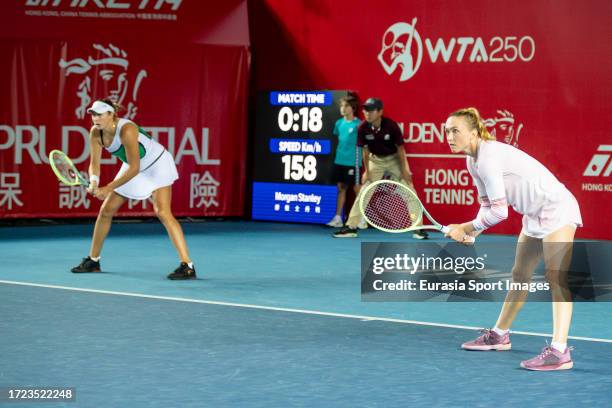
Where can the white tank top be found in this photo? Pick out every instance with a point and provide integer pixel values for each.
(149, 149)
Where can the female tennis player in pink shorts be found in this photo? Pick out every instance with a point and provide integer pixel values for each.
(506, 176)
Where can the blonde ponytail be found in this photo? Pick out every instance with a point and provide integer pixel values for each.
(472, 117)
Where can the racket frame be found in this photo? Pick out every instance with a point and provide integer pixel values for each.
(434, 226)
(80, 180)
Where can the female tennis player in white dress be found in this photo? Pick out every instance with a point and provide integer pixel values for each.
(148, 170)
(505, 175)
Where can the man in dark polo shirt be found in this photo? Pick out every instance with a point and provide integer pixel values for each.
(383, 152)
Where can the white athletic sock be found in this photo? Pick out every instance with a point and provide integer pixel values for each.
(95, 258)
(559, 346)
(499, 331)
(190, 264)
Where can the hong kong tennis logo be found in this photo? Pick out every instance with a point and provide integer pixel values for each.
(111, 64)
(597, 166)
(404, 50)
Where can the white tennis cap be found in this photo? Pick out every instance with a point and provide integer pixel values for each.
(100, 107)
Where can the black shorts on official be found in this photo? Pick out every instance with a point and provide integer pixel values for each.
(344, 174)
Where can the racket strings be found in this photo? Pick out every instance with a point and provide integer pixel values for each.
(65, 169)
(391, 207)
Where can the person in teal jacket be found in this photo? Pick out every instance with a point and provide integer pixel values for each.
(348, 156)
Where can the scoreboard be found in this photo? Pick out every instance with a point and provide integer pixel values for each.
(294, 156)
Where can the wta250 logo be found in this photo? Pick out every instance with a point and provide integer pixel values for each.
(403, 49)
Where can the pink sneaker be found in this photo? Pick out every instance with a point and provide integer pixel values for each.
(549, 359)
(489, 340)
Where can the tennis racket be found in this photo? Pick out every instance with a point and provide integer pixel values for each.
(393, 207)
(65, 170)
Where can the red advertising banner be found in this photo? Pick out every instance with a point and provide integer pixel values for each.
(538, 71)
(189, 94)
(166, 21)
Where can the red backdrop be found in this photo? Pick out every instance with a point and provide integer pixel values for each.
(180, 68)
(537, 70)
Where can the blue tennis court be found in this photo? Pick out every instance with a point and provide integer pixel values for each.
(275, 319)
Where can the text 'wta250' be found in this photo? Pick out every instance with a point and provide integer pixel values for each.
(296, 166)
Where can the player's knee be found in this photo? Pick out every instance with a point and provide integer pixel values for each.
(107, 211)
(556, 276)
(163, 214)
(521, 274)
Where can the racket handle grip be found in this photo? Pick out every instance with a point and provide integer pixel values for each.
(468, 238)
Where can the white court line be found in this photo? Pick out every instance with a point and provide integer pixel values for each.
(283, 309)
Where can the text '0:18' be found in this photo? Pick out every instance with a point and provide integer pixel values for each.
(305, 119)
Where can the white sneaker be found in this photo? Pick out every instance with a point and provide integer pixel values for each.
(336, 222)
(362, 224)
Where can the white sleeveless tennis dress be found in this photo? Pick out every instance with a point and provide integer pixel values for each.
(157, 168)
(505, 175)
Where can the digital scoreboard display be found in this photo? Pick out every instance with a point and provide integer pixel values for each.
(294, 156)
